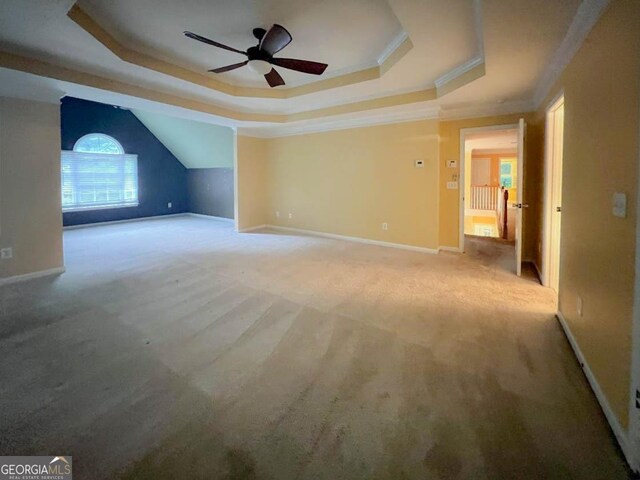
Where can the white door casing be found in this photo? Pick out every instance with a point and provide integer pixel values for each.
(462, 177)
(522, 134)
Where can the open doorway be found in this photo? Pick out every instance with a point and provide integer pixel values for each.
(554, 130)
(491, 188)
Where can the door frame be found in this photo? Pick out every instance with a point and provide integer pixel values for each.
(633, 433)
(461, 176)
(547, 210)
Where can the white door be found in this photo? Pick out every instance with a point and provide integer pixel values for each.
(557, 133)
(522, 135)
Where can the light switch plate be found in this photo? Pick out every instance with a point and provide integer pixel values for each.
(419, 163)
(579, 306)
(452, 185)
(620, 205)
(452, 163)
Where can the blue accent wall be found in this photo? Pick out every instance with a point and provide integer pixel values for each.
(161, 177)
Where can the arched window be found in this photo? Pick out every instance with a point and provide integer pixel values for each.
(98, 143)
(98, 174)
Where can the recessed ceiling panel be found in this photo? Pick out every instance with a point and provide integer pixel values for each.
(348, 35)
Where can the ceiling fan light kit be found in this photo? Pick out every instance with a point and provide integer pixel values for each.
(260, 67)
(260, 57)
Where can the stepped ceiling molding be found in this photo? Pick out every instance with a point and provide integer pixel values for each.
(389, 60)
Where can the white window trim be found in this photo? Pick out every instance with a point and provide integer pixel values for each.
(100, 207)
(103, 135)
(121, 153)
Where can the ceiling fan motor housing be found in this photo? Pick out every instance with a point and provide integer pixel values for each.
(254, 53)
(260, 57)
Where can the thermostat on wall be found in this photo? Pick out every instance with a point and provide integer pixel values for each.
(419, 163)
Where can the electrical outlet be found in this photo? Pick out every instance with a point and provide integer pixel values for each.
(620, 205)
(385, 226)
(277, 214)
(579, 306)
(169, 205)
(6, 253)
(291, 215)
(452, 185)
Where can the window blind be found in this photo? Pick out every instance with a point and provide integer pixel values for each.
(98, 180)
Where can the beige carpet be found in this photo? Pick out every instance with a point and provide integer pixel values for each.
(177, 348)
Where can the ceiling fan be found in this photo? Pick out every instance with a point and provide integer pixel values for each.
(260, 58)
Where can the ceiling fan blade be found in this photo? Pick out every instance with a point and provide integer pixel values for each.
(202, 39)
(229, 67)
(273, 78)
(304, 66)
(275, 39)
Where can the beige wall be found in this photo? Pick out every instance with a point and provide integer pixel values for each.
(600, 158)
(349, 182)
(30, 211)
(251, 171)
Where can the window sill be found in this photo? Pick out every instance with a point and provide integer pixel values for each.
(99, 207)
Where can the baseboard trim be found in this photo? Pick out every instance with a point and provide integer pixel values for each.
(30, 276)
(126, 220)
(210, 217)
(618, 431)
(251, 229)
(449, 249)
(535, 265)
(347, 238)
(155, 217)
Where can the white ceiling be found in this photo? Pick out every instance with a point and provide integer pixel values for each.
(347, 35)
(516, 38)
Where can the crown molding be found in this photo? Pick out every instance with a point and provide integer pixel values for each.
(393, 46)
(384, 118)
(427, 113)
(588, 14)
(471, 69)
(458, 71)
(486, 110)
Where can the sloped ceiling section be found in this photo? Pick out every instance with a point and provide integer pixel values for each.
(195, 144)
